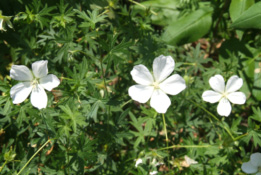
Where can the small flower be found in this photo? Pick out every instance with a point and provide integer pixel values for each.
(3, 20)
(224, 94)
(254, 165)
(138, 161)
(153, 172)
(157, 86)
(35, 83)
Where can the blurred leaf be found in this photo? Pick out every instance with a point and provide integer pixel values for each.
(237, 7)
(189, 28)
(249, 19)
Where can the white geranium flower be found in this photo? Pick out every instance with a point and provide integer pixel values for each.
(224, 94)
(153, 172)
(35, 83)
(3, 20)
(157, 86)
(138, 161)
(254, 165)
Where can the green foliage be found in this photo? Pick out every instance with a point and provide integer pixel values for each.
(90, 124)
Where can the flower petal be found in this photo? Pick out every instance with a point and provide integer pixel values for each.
(237, 98)
(153, 172)
(49, 82)
(162, 67)
(211, 96)
(138, 161)
(247, 167)
(224, 107)
(20, 92)
(39, 97)
(217, 83)
(141, 93)
(160, 101)
(141, 75)
(40, 68)
(173, 85)
(255, 159)
(21, 73)
(234, 83)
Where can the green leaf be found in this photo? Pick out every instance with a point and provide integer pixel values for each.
(257, 114)
(249, 19)
(189, 28)
(237, 7)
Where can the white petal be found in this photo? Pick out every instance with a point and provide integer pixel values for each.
(21, 73)
(211, 96)
(141, 75)
(255, 159)
(20, 92)
(249, 168)
(49, 82)
(234, 83)
(38, 97)
(153, 172)
(190, 161)
(138, 161)
(160, 101)
(40, 68)
(237, 97)
(217, 83)
(162, 67)
(173, 85)
(224, 107)
(141, 93)
(1, 24)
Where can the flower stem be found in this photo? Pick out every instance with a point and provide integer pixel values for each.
(166, 133)
(143, 6)
(34, 156)
(212, 115)
(186, 146)
(2, 167)
(126, 103)
(165, 128)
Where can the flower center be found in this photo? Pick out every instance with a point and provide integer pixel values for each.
(225, 94)
(156, 85)
(34, 82)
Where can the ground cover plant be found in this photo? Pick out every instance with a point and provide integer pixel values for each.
(130, 87)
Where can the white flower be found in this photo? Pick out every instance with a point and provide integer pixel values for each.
(138, 161)
(254, 165)
(3, 20)
(35, 83)
(157, 86)
(224, 94)
(190, 161)
(153, 172)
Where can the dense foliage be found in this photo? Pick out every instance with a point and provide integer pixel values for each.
(91, 125)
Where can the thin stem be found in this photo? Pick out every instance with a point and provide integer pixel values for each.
(3, 166)
(104, 81)
(212, 115)
(34, 155)
(221, 125)
(239, 137)
(165, 129)
(126, 103)
(143, 6)
(186, 146)
(64, 78)
(228, 131)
